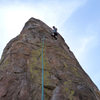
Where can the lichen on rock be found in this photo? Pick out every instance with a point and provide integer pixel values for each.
(21, 68)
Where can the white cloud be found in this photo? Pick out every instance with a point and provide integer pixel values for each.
(83, 51)
(85, 44)
(52, 12)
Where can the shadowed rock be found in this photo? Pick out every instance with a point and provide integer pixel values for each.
(21, 68)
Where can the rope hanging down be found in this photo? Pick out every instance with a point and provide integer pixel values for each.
(42, 96)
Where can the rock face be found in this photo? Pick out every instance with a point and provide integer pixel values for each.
(21, 68)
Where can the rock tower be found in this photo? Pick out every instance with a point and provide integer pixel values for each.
(21, 68)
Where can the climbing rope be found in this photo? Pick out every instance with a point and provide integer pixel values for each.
(42, 96)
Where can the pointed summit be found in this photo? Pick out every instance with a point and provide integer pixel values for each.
(21, 68)
(36, 25)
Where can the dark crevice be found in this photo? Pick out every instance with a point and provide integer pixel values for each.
(5, 94)
(49, 87)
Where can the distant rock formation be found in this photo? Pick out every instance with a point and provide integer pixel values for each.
(21, 68)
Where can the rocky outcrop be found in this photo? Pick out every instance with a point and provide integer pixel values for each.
(21, 68)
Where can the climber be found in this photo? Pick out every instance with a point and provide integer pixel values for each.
(55, 33)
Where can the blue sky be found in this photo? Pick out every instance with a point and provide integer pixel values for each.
(77, 21)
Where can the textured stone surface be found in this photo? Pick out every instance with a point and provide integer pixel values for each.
(21, 69)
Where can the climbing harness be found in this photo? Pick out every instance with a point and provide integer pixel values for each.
(42, 96)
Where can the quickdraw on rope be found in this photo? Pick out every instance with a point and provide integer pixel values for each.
(42, 96)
